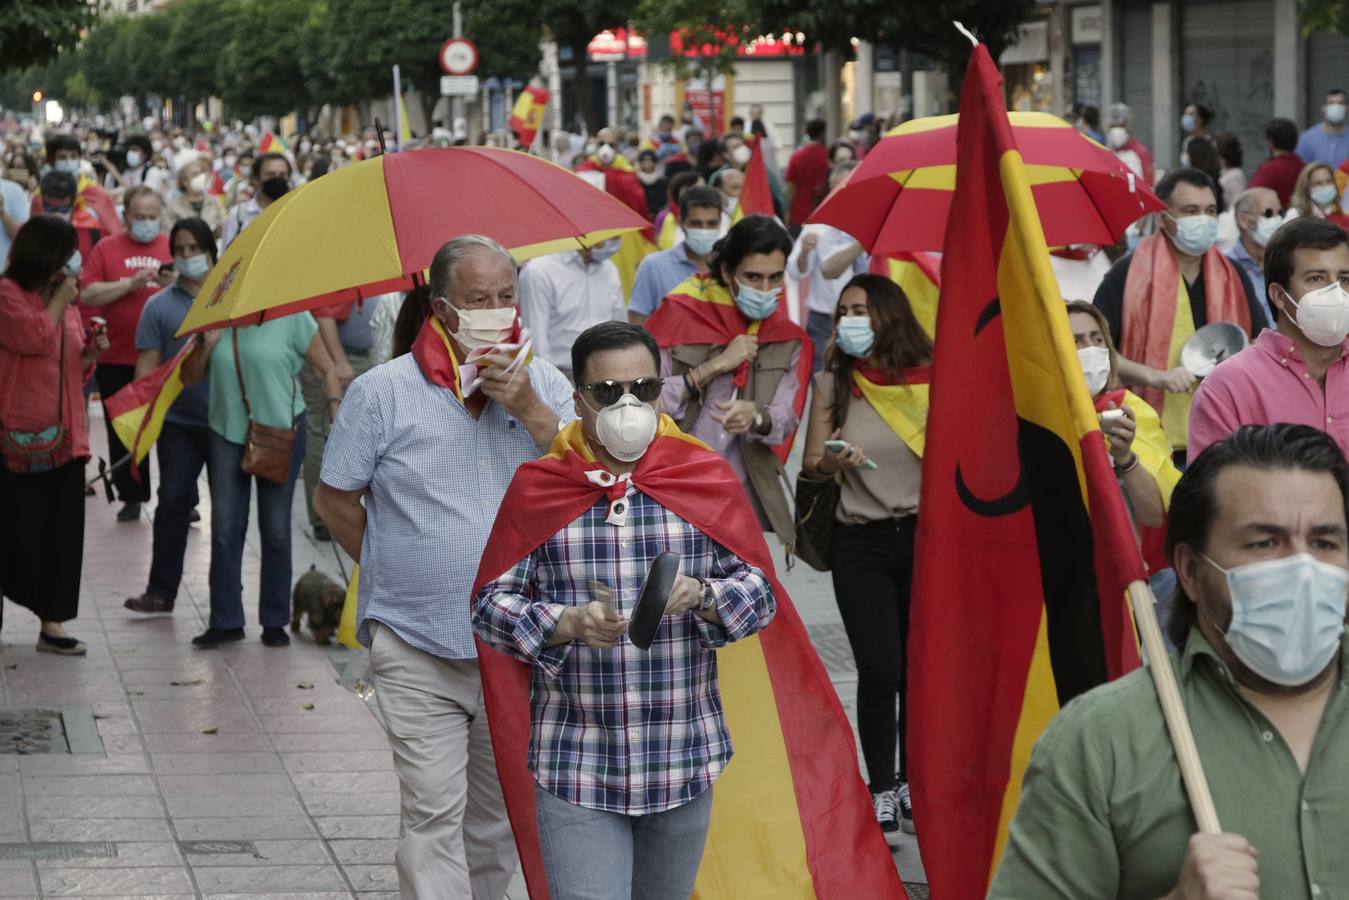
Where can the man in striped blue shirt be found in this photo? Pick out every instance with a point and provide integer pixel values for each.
(412, 477)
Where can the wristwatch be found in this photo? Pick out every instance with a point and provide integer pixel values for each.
(707, 598)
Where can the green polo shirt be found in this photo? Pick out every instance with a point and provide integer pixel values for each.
(1103, 811)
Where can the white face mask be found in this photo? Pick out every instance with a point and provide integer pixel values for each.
(199, 183)
(626, 428)
(1264, 229)
(1287, 616)
(605, 154)
(1095, 367)
(1195, 235)
(482, 327)
(1322, 315)
(741, 155)
(604, 250)
(1117, 136)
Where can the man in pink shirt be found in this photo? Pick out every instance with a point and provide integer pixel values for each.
(1298, 372)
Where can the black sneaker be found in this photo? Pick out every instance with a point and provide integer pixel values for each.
(887, 814)
(275, 637)
(214, 637)
(905, 809)
(130, 512)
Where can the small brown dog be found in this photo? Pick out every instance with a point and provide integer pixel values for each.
(321, 597)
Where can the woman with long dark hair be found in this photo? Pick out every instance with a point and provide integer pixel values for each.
(867, 420)
(44, 440)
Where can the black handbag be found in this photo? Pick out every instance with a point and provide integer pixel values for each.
(816, 505)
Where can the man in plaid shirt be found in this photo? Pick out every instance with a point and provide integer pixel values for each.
(625, 743)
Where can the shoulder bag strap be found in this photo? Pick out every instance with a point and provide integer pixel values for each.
(61, 382)
(239, 371)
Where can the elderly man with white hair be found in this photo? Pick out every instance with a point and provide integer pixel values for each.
(1120, 136)
(1257, 214)
(414, 471)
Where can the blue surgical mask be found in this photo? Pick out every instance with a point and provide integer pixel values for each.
(756, 304)
(1187, 123)
(855, 336)
(193, 267)
(1334, 113)
(1323, 194)
(143, 231)
(701, 240)
(1287, 616)
(69, 166)
(1195, 235)
(134, 160)
(74, 266)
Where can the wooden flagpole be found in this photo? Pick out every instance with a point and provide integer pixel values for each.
(1168, 693)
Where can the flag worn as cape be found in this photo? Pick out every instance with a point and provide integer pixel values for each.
(701, 311)
(918, 274)
(137, 411)
(1024, 546)
(527, 114)
(756, 197)
(791, 817)
(900, 399)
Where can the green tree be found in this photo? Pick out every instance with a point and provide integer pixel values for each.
(33, 32)
(258, 72)
(201, 30)
(1323, 15)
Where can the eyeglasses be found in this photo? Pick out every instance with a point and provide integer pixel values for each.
(607, 393)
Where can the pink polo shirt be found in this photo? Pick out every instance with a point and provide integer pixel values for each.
(1267, 383)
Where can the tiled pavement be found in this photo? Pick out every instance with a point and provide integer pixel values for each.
(236, 773)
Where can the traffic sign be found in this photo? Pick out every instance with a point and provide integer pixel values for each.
(458, 56)
(458, 85)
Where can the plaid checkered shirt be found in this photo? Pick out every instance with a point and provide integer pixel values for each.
(623, 730)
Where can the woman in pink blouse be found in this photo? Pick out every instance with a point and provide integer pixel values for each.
(43, 437)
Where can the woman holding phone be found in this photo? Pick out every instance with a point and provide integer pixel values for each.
(43, 436)
(867, 418)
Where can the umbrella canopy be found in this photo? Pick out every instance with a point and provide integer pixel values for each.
(369, 228)
(899, 198)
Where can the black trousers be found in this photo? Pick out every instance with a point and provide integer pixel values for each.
(872, 567)
(42, 540)
(111, 378)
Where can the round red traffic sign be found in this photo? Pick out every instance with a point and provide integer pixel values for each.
(458, 56)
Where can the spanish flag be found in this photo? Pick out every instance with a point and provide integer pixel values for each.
(756, 197)
(273, 143)
(137, 411)
(791, 817)
(701, 311)
(527, 114)
(918, 274)
(1024, 545)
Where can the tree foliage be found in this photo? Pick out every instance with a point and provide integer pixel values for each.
(1323, 15)
(33, 32)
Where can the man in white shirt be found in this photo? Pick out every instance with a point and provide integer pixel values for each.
(563, 294)
(830, 258)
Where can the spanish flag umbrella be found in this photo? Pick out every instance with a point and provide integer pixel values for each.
(374, 226)
(899, 198)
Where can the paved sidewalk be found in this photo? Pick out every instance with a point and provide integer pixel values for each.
(240, 772)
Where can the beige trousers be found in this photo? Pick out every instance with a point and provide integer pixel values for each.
(456, 839)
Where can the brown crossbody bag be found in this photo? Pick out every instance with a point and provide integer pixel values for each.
(267, 450)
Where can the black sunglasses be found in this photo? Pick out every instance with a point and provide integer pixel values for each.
(607, 393)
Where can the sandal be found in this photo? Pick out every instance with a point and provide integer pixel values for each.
(66, 646)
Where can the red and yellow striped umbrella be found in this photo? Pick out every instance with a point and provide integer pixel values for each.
(899, 198)
(371, 227)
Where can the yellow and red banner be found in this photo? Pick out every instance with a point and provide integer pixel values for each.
(756, 197)
(791, 817)
(1024, 547)
(137, 411)
(900, 399)
(527, 114)
(273, 143)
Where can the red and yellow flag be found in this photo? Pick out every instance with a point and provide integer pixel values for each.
(756, 197)
(527, 114)
(273, 143)
(918, 274)
(1024, 545)
(791, 818)
(137, 411)
(701, 311)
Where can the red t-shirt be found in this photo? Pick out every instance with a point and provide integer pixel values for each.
(114, 258)
(808, 170)
(1279, 174)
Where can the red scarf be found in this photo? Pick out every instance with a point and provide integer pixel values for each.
(1150, 290)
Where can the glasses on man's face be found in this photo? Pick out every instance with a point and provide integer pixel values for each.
(607, 393)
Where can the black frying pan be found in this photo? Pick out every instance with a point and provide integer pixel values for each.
(650, 609)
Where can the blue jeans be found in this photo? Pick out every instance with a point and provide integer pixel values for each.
(820, 327)
(182, 451)
(594, 855)
(229, 524)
